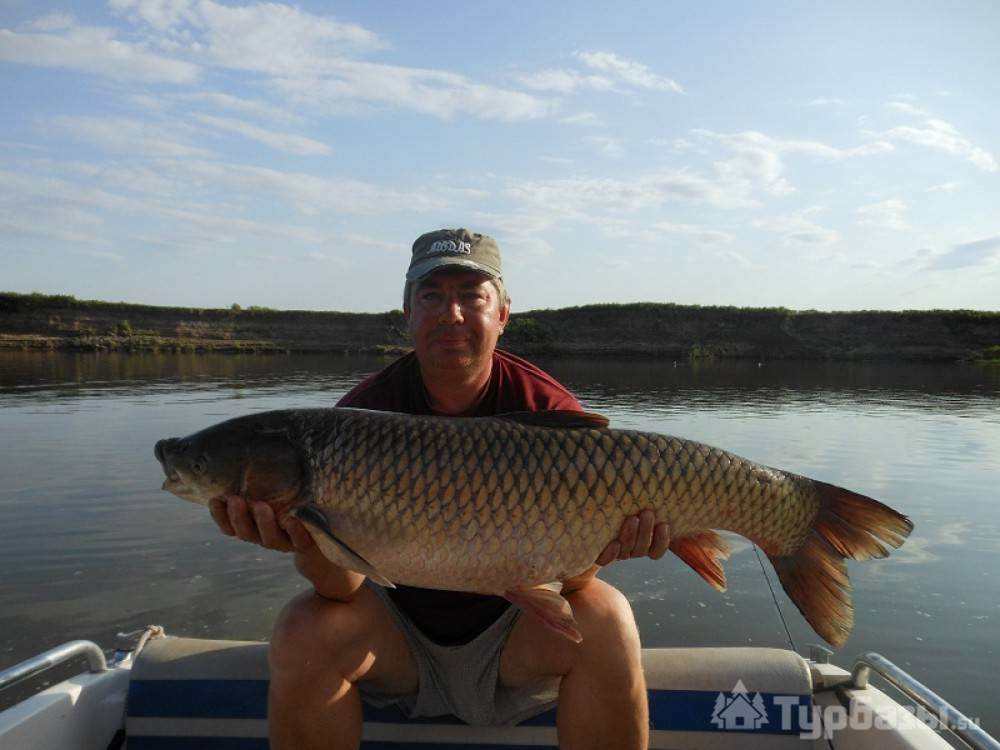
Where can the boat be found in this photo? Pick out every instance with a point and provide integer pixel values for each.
(160, 692)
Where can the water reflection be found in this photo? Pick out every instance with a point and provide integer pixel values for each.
(43, 376)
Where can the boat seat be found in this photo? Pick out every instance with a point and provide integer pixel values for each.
(196, 693)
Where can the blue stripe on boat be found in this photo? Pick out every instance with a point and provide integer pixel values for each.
(198, 699)
(249, 743)
(371, 745)
(672, 710)
(191, 743)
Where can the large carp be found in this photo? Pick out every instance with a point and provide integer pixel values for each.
(512, 505)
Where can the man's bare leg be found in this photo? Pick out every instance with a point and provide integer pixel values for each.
(319, 651)
(602, 694)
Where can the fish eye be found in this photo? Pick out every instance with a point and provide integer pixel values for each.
(199, 465)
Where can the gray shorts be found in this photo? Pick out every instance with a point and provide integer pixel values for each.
(461, 680)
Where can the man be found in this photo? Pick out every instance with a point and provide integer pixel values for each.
(437, 652)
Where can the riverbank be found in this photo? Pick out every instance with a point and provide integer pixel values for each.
(34, 321)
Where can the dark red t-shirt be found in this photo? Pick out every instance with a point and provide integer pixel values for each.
(454, 617)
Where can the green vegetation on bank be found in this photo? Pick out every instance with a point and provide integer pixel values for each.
(990, 354)
(14, 301)
(10, 301)
(638, 307)
(664, 330)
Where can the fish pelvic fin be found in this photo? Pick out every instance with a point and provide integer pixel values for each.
(547, 604)
(333, 548)
(704, 551)
(848, 525)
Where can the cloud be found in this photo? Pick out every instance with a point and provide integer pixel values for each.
(166, 189)
(579, 197)
(944, 187)
(307, 57)
(91, 49)
(826, 102)
(307, 193)
(270, 38)
(335, 260)
(757, 161)
(887, 214)
(907, 109)
(211, 229)
(50, 220)
(944, 137)
(606, 145)
(628, 71)
(658, 235)
(751, 139)
(563, 81)
(612, 72)
(287, 142)
(583, 118)
(798, 229)
(701, 235)
(437, 93)
(240, 104)
(124, 135)
(54, 21)
(967, 255)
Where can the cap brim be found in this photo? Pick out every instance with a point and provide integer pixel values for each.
(429, 266)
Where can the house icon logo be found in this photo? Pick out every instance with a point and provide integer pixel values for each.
(738, 710)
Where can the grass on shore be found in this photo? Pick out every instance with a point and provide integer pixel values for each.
(989, 355)
(14, 301)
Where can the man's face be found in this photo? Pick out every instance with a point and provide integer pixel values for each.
(454, 319)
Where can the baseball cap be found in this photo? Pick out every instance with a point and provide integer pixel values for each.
(454, 247)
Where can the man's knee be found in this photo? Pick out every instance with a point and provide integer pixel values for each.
(313, 634)
(606, 623)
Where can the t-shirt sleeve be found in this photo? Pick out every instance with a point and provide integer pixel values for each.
(526, 387)
(393, 388)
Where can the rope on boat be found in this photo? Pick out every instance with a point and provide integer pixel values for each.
(774, 598)
(150, 631)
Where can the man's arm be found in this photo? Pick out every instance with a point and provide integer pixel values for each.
(256, 523)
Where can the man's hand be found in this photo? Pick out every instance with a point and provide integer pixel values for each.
(640, 536)
(256, 523)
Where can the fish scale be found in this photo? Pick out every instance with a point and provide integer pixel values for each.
(508, 505)
(574, 466)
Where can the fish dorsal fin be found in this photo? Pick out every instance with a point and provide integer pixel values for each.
(563, 418)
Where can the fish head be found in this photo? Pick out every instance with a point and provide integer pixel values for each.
(247, 457)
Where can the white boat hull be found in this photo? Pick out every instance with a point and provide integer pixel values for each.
(205, 694)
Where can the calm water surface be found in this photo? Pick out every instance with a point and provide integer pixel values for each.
(90, 546)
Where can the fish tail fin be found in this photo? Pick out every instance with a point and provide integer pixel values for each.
(848, 525)
(704, 551)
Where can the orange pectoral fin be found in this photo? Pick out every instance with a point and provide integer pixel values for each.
(547, 604)
(704, 551)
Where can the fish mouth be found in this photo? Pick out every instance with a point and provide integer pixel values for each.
(179, 488)
(173, 483)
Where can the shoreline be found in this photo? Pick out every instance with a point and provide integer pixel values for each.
(35, 322)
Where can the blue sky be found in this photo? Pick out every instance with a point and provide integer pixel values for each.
(205, 152)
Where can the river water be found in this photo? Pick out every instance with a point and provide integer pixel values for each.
(90, 546)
